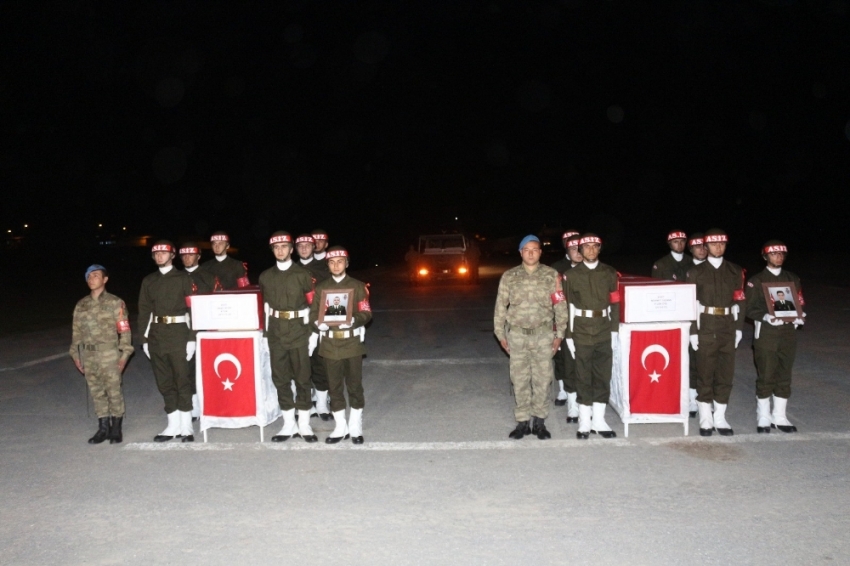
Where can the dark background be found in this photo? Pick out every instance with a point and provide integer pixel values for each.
(381, 120)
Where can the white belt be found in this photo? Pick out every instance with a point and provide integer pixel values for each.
(342, 334)
(170, 319)
(303, 313)
(593, 314)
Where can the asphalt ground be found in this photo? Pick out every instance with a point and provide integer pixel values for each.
(437, 481)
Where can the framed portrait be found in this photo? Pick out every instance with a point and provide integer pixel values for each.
(336, 306)
(782, 300)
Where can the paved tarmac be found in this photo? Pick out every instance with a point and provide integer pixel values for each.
(438, 481)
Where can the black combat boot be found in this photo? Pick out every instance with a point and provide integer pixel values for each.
(115, 434)
(539, 429)
(102, 431)
(521, 430)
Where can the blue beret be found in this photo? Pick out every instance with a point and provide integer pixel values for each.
(529, 238)
(94, 267)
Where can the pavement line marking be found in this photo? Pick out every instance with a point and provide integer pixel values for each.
(445, 361)
(436, 309)
(38, 361)
(299, 445)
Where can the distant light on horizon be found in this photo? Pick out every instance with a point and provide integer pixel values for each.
(26, 225)
(100, 225)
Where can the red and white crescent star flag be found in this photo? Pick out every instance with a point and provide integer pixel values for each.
(227, 367)
(655, 371)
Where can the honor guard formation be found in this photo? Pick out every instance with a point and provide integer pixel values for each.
(555, 323)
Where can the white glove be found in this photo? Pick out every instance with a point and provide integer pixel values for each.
(571, 346)
(323, 327)
(772, 320)
(614, 337)
(738, 335)
(311, 343)
(695, 342)
(190, 350)
(345, 326)
(798, 322)
(146, 350)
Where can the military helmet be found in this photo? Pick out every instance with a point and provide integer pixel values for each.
(336, 251)
(305, 238)
(219, 236)
(696, 239)
(319, 234)
(715, 235)
(280, 237)
(676, 235)
(589, 238)
(572, 241)
(771, 246)
(569, 234)
(189, 248)
(162, 246)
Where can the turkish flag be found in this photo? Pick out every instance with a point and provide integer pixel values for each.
(655, 371)
(228, 378)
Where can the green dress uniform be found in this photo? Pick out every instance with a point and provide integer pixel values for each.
(594, 310)
(202, 280)
(162, 299)
(565, 365)
(719, 289)
(669, 268)
(100, 339)
(285, 292)
(530, 313)
(343, 349)
(228, 271)
(774, 347)
(318, 372)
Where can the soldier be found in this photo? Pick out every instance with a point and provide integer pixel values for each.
(343, 349)
(592, 290)
(717, 331)
(101, 344)
(775, 341)
(529, 301)
(168, 340)
(564, 363)
(305, 245)
(288, 291)
(320, 239)
(202, 282)
(696, 245)
(230, 272)
(676, 264)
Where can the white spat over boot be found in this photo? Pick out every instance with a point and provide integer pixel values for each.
(572, 407)
(171, 430)
(706, 419)
(723, 427)
(289, 429)
(762, 415)
(598, 424)
(340, 429)
(304, 428)
(585, 415)
(780, 421)
(355, 425)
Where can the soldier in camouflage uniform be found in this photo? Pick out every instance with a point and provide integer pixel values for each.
(168, 340)
(696, 245)
(202, 282)
(343, 348)
(529, 321)
(101, 344)
(565, 366)
(288, 291)
(305, 245)
(592, 289)
(775, 341)
(230, 272)
(675, 265)
(717, 331)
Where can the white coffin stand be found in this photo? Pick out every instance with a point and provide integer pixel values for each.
(236, 314)
(651, 304)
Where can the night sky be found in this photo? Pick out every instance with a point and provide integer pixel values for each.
(380, 120)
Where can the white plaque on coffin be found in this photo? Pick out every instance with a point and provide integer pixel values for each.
(659, 303)
(226, 311)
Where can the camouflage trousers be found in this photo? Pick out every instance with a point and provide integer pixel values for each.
(104, 381)
(774, 357)
(531, 373)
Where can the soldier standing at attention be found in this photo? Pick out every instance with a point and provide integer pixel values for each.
(202, 282)
(529, 304)
(320, 239)
(304, 246)
(717, 331)
(676, 264)
(342, 348)
(288, 291)
(168, 340)
(592, 290)
(564, 363)
(101, 344)
(775, 341)
(696, 245)
(231, 273)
